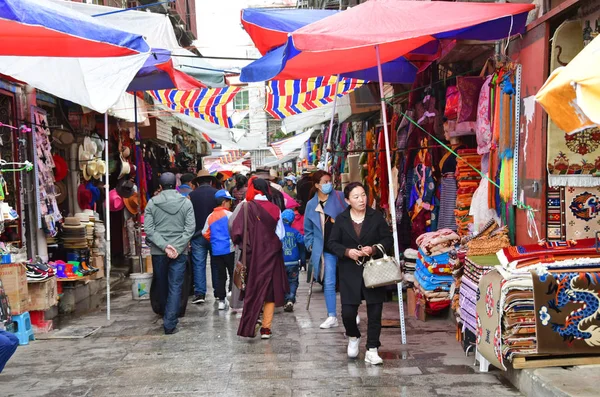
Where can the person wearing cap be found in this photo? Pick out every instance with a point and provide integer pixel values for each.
(273, 179)
(169, 224)
(292, 243)
(290, 185)
(204, 202)
(222, 254)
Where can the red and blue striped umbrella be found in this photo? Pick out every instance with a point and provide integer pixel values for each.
(44, 29)
(67, 53)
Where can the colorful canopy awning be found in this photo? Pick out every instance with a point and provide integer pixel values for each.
(43, 29)
(269, 27)
(289, 97)
(68, 54)
(158, 73)
(345, 42)
(206, 104)
(571, 95)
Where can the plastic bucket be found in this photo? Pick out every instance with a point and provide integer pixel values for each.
(140, 285)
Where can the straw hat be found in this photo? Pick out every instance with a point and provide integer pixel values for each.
(133, 204)
(83, 217)
(92, 168)
(86, 174)
(60, 192)
(63, 137)
(90, 146)
(125, 168)
(73, 223)
(84, 157)
(100, 169)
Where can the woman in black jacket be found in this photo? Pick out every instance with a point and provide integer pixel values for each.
(354, 234)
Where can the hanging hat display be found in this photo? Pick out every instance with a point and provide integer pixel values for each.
(125, 168)
(133, 204)
(100, 169)
(95, 193)
(60, 192)
(84, 197)
(63, 137)
(115, 201)
(84, 157)
(92, 168)
(125, 188)
(60, 168)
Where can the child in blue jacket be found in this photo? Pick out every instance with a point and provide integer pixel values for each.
(291, 257)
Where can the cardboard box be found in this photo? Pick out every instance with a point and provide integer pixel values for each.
(43, 295)
(14, 280)
(411, 303)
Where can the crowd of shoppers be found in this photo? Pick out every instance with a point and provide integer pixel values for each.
(284, 223)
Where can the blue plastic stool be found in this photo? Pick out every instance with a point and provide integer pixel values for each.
(24, 330)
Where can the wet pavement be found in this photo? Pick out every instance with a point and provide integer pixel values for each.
(130, 356)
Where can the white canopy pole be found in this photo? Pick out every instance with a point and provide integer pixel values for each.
(107, 218)
(328, 147)
(391, 190)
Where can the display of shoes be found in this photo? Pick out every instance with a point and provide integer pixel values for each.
(39, 271)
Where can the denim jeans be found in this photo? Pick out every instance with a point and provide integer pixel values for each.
(200, 249)
(8, 346)
(292, 274)
(329, 283)
(170, 274)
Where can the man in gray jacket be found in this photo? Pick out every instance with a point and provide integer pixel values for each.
(169, 224)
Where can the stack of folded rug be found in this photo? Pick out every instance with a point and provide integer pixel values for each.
(468, 181)
(433, 275)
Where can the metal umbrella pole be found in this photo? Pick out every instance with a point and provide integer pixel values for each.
(138, 154)
(391, 190)
(328, 147)
(107, 217)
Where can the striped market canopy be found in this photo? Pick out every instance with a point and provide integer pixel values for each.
(289, 97)
(206, 104)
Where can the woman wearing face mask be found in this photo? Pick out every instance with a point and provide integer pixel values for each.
(352, 239)
(321, 210)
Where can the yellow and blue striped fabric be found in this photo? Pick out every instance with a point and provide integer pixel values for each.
(209, 104)
(289, 97)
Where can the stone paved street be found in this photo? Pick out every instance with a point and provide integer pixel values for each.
(131, 357)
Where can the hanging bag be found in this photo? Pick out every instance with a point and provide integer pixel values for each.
(240, 273)
(381, 272)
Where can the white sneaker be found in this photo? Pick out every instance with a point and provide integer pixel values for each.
(371, 357)
(229, 294)
(223, 305)
(353, 345)
(331, 322)
(358, 319)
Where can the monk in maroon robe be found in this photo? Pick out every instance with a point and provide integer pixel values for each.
(266, 284)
